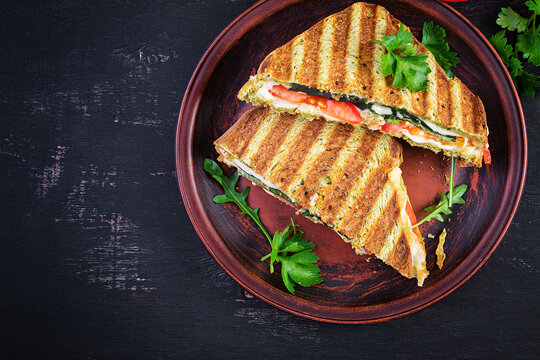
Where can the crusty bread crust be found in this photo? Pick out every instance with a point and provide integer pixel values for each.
(338, 172)
(337, 55)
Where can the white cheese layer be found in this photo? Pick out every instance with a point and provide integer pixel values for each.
(240, 165)
(264, 93)
(439, 129)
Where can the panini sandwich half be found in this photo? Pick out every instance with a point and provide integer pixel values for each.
(334, 70)
(347, 178)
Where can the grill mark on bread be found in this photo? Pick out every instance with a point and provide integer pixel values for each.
(257, 139)
(270, 145)
(444, 103)
(354, 218)
(313, 181)
(356, 166)
(392, 237)
(296, 57)
(338, 56)
(279, 63)
(325, 52)
(284, 172)
(340, 170)
(283, 152)
(379, 232)
(237, 138)
(353, 47)
(318, 147)
(467, 111)
(378, 86)
(310, 66)
(366, 50)
(400, 256)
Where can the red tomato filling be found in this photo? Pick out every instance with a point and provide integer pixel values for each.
(487, 156)
(344, 111)
(410, 214)
(349, 113)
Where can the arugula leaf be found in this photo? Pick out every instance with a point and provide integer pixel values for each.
(443, 205)
(433, 39)
(298, 268)
(452, 172)
(454, 197)
(231, 195)
(511, 20)
(401, 61)
(529, 43)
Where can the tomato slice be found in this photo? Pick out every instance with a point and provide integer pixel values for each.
(487, 156)
(294, 97)
(343, 111)
(392, 127)
(410, 213)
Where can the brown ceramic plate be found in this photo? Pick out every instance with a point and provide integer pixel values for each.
(354, 290)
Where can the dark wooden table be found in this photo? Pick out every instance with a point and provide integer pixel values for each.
(99, 259)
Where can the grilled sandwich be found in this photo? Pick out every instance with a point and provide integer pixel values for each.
(347, 178)
(333, 70)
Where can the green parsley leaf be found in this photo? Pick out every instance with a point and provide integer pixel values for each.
(499, 43)
(534, 6)
(529, 43)
(511, 20)
(298, 268)
(401, 61)
(433, 39)
(529, 82)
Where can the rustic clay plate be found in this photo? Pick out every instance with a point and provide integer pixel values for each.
(356, 289)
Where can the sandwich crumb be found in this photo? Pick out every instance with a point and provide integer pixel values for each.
(440, 249)
(432, 168)
(368, 259)
(431, 236)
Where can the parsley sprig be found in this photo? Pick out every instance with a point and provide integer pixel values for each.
(289, 247)
(433, 39)
(408, 68)
(527, 45)
(454, 196)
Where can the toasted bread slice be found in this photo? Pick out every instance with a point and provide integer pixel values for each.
(337, 57)
(346, 177)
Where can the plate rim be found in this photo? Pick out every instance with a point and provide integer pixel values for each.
(183, 152)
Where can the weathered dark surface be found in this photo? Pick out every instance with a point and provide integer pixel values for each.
(99, 257)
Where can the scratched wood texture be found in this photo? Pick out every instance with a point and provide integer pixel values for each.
(98, 257)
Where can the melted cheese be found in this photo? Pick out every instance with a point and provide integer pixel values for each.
(418, 253)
